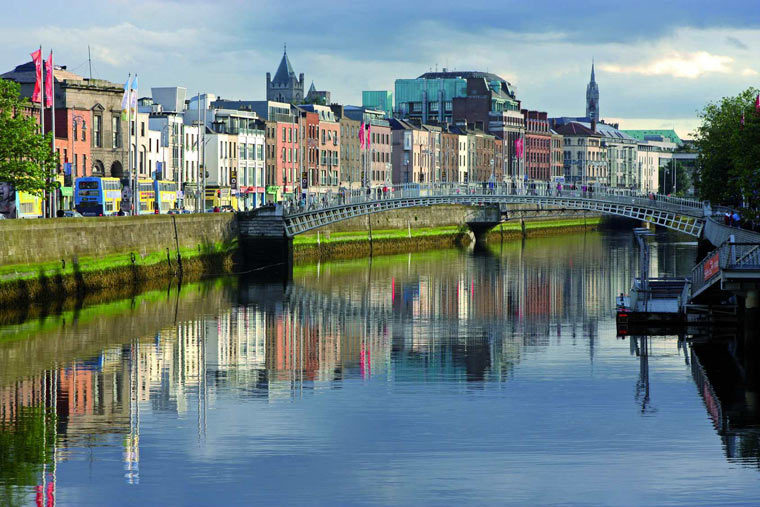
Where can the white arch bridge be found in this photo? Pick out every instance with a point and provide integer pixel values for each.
(683, 215)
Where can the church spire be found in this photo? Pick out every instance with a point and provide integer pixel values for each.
(592, 97)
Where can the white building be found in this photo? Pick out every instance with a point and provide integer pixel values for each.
(246, 178)
(464, 158)
(650, 157)
(620, 155)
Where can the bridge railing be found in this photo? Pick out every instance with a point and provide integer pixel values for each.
(728, 256)
(457, 191)
(343, 197)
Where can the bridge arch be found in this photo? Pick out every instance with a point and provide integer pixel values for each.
(682, 215)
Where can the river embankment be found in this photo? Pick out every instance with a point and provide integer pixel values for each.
(46, 260)
(420, 229)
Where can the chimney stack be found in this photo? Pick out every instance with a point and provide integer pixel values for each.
(593, 124)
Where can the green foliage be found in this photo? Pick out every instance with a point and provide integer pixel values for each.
(26, 443)
(682, 174)
(729, 153)
(26, 158)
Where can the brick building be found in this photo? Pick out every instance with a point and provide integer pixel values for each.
(106, 130)
(537, 145)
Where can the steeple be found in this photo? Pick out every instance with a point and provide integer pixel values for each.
(285, 86)
(592, 97)
(285, 70)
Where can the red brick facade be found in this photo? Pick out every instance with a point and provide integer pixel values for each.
(537, 145)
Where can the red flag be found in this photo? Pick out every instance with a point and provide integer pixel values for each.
(519, 147)
(49, 81)
(361, 136)
(37, 59)
(757, 103)
(368, 137)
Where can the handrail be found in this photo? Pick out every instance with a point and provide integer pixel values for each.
(731, 255)
(368, 195)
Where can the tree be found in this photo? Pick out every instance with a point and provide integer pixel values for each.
(728, 165)
(26, 158)
(682, 176)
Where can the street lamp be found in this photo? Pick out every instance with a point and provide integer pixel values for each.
(74, 121)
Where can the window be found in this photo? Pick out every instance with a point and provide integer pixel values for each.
(115, 132)
(74, 131)
(98, 139)
(142, 128)
(283, 135)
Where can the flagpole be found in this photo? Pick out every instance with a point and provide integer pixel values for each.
(54, 193)
(136, 154)
(42, 123)
(129, 139)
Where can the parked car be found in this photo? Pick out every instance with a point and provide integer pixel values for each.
(70, 213)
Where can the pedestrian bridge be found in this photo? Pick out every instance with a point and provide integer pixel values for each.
(683, 215)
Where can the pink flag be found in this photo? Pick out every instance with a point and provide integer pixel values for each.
(37, 59)
(757, 103)
(49, 81)
(361, 136)
(369, 140)
(519, 147)
(742, 122)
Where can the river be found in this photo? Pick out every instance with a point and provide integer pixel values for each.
(480, 377)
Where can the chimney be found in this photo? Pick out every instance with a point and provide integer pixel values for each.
(593, 124)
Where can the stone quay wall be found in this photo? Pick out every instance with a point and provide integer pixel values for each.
(45, 240)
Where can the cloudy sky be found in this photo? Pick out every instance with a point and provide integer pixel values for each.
(657, 62)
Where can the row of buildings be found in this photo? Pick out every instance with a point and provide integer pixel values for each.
(447, 126)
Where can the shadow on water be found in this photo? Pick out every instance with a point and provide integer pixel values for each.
(727, 377)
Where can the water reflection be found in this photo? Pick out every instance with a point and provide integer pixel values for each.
(727, 379)
(438, 328)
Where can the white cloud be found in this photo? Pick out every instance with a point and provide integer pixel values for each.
(750, 72)
(689, 65)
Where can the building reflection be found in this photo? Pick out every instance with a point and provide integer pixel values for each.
(403, 319)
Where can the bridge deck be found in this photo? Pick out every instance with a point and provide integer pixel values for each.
(684, 215)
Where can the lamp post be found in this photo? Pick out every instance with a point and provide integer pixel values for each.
(76, 119)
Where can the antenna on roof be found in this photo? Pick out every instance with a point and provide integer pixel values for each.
(89, 59)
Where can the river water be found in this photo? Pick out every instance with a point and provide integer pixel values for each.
(434, 378)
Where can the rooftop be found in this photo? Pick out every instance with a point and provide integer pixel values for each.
(576, 129)
(641, 135)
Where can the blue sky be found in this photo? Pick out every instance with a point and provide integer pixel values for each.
(657, 62)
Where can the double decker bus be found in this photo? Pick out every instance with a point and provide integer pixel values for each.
(18, 204)
(147, 196)
(217, 196)
(95, 197)
(166, 195)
